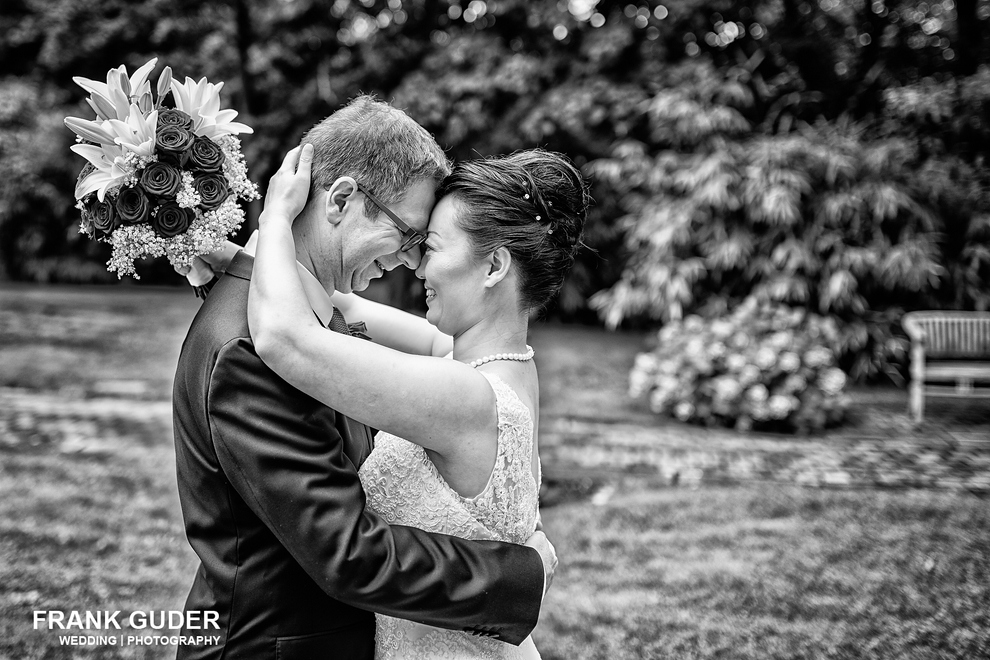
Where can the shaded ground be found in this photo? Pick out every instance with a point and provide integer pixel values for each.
(591, 431)
(584, 376)
(82, 341)
(729, 566)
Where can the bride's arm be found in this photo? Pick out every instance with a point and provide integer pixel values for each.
(393, 327)
(433, 402)
(386, 325)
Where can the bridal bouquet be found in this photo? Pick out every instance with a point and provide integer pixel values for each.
(160, 181)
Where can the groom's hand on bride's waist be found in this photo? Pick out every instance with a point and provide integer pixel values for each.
(541, 544)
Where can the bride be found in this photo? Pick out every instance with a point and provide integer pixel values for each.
(457, 452)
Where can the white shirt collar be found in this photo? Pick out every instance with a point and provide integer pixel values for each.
(318, 297)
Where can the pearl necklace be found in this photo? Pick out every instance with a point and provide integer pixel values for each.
(519, 357)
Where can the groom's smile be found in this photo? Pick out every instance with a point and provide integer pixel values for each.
(377, 242)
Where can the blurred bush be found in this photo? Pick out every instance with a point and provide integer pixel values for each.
(742, 185)
(766, 366)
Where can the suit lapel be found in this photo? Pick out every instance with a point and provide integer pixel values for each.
(358, 439)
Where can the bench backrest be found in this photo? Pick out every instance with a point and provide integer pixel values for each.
(950, 334)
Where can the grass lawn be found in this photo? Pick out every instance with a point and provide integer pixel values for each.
(89, 515)
(97, 529)
(770, 572)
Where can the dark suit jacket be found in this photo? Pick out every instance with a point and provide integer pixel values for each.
(290, 558)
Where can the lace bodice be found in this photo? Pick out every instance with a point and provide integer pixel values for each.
(404, 486)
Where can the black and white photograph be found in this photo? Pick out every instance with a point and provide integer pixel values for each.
(463, 329)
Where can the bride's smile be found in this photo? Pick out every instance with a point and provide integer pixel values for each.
(452, 275)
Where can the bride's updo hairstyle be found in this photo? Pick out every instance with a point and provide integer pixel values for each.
(534, 203)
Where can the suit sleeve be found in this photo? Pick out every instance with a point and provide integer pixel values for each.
(293, 474)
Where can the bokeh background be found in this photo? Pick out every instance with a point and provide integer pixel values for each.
(731, 469)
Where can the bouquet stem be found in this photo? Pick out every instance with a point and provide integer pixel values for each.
(200, 274)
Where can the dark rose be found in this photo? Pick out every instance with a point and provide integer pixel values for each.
(104, 217)
(173, 117)
(205, 155)
(171, 220)
(161, 179)
(132, 205)
(172, 143)
(212, 189)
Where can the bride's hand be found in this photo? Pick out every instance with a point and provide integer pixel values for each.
(288, 188)
(548, 554)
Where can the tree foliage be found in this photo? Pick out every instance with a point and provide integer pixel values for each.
(744, 185)
(729, 100)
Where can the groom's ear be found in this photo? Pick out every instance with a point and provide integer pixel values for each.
(340, 193)
(498, 266)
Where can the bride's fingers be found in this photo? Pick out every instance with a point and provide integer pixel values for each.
(288, 188)
(289, 162)
(305, 160)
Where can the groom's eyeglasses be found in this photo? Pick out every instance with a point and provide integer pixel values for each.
(410, 237)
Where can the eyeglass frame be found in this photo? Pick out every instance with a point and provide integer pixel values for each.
(410, 237)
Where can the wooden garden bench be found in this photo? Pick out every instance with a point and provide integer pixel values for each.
(947, 346)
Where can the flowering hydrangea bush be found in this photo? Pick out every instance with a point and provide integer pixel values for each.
(766, 366)
(160, 181)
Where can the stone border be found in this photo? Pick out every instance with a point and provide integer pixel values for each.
(682, 455)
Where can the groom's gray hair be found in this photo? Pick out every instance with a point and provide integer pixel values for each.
(377, 144)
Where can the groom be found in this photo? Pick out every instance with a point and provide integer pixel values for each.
(291, 560)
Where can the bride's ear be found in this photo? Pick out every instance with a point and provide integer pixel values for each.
(339, 194)
(498, 266)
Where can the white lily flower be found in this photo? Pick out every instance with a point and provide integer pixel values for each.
(201, 101)
(138, 133)
(92, 131)
(114, 94)
(110, 168)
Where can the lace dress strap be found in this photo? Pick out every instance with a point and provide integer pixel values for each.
(510, 503)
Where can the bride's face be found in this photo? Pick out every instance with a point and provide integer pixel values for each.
(454, 278)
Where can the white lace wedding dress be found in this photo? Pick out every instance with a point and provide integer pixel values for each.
(405, 488)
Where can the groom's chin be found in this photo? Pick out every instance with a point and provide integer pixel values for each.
(362, 281)
(359, 284)
(356, 282)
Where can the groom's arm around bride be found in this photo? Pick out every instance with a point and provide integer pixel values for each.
(290, 558)
(274, 508)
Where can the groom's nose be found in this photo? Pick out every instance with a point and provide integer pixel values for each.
(410, 258)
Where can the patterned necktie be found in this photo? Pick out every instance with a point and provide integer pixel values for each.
(358, 438)
(338, 323)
